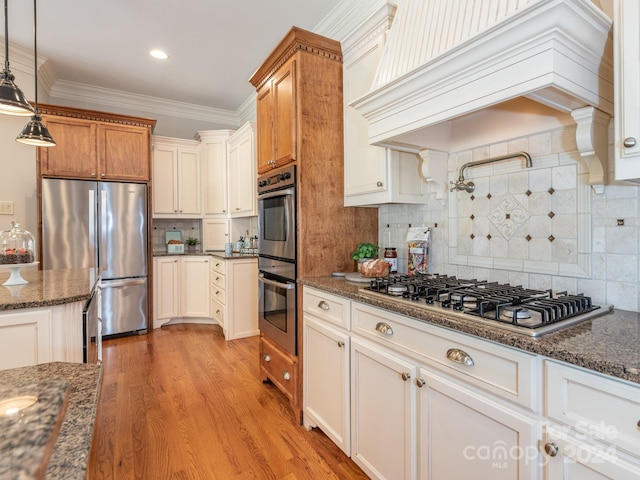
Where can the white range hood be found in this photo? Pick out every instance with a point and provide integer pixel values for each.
(447, 60)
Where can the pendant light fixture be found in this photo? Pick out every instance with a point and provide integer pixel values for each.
(12, 100)
(35, 132)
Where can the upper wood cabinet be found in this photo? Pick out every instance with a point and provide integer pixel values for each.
(276, 113)
(96, 145)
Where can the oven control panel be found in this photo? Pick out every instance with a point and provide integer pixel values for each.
(274, 181)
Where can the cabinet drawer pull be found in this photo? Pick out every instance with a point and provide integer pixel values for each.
(460, 356)
(420, 382)
(551, 449)
(218, 312)
(405, 376)
(629, 142)
(384, 328)
(323, 305)
(266, 357)
(286, 375)
(340, 343)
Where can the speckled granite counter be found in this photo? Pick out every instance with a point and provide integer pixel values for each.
(215, 253)
(70, 455)
(47, 288)
(608, 344)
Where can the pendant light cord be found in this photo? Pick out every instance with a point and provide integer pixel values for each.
(35, 55)
(6, 36)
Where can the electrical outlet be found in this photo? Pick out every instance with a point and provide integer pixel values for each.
(6, 208)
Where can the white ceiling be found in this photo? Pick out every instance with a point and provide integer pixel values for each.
(214, 46)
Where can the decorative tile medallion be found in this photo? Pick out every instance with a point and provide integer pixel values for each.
(508, 215)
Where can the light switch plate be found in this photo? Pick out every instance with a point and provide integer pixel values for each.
(6, 207)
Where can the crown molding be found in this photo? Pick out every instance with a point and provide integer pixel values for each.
(80, 92)
(347, 16)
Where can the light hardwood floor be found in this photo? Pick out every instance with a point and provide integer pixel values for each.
(182, 403)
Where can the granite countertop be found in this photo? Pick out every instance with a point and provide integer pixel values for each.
(47, 288)
(211, 253)
(609, 344)
(78, 385)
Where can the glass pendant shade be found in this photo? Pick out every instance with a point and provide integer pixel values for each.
(12, 100)
(35, 133)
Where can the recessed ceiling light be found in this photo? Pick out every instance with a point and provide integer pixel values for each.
(159, 54)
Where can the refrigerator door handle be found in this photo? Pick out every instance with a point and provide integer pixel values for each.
(103, 230)
(122, 283)
(92, 221)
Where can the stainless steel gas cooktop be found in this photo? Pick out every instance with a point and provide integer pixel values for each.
(513, 308)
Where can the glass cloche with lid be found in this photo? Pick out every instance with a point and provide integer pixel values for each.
(16, 245)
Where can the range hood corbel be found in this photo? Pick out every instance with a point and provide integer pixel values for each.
(434, 171)
(592, 139)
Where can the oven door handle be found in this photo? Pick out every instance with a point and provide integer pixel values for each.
(287, 286)
(277, 193)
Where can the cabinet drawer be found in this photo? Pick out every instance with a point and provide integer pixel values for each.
(604, 408)
(331, 308)
(217, 312)
(281, 368)
(503, 371)
(218, 279)
(218, 293)
(219, 266)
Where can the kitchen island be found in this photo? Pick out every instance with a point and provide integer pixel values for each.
(608, 344)
(22, 452)
(41, 321)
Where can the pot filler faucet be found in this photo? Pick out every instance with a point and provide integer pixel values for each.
(469, 186)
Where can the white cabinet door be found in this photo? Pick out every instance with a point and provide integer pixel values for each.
(166, 289)
(383, 406)
(25, 338)
(165, 182)
(214, 147)
(215, 234)
(195, 286)
(626, 27)
(326, 380)
(242, 172)
(372, 175)
(241, 318)
(176, 177)
(189, 193)
(466, 435)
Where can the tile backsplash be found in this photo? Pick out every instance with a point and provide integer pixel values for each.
(540, 227)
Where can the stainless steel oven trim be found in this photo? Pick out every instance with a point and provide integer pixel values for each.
(287, 340)
(279, 249)
(287, 286)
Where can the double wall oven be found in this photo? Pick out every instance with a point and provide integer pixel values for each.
(277, 293)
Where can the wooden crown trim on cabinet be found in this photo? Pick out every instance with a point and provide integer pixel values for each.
(295, 40)
(96, 116)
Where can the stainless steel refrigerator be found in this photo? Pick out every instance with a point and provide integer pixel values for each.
(103, 225)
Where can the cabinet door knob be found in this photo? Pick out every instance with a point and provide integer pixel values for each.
(237, 208)
(460, 356)
(93, 174)
(420, 382)
(323, 305)
(218, 311)
(629, 142)
(405, 376)
(551, 449)
(379, 183)
(286, 375)
(384, 328)
(266, 357)
(340, 343)
(103, 175)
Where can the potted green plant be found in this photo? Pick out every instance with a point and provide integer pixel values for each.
(192, 243)
(365, 251)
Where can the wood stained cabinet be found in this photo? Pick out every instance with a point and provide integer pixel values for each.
(300, 122)
(96, 145)
(276, 113)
